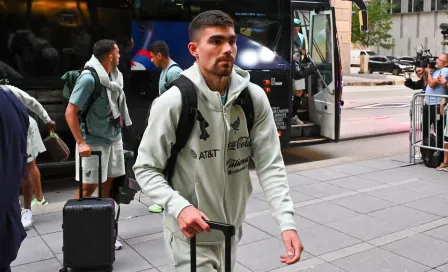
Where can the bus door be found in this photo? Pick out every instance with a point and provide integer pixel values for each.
(323, 86)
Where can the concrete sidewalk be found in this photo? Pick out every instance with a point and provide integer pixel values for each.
(362, 216)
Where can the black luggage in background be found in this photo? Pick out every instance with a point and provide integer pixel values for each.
(229, 232)
(89, 229)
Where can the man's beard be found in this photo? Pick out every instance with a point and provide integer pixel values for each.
(223, 71)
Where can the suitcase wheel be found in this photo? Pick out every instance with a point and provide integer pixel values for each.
(63, 270)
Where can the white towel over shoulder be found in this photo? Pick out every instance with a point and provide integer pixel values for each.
(114, 87)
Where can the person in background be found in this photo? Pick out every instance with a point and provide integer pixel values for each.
(299, 85)
(14, 125)
(433, 105)
(421, 83)
(443, 110)
(160, 57)
(418, 85)
(35, 145)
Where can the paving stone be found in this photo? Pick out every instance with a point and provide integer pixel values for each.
(320, 240)
(54, 241)
(363, 203)
(153, 251)
(255, 205)
(443, 268)
(252, 234)
(403, 216)
(127, 260)
(325, 212)
(396, 195)
(310, 263)
(352, 169)
(380, 164)
(439, 233)
(388, 176)
(354, 183)
(295, 196)
(268, 224)
(426, 187)
(42, 266)
(48, 223)
(33, 250)
(320, 189)
(140, 226)
(422, 248)
(295, 179)
(322, 174)
(434, 205)
(133, 209)
(264, 255)
(376, 260)
(364, 227)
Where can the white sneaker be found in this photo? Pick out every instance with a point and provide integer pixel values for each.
(118, 245)
(27, 219)
(296, 121)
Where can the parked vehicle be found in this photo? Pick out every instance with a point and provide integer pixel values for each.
(356, 55)
(388, 64)
(408, 60)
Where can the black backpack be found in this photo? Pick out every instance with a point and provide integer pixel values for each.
(190, 114)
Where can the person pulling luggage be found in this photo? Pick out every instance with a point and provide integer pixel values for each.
(214, 120)
(100, 131)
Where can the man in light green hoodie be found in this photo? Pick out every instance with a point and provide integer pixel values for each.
(211, 177)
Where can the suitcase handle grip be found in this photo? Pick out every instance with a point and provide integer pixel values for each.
(93, 153)
(228, 231)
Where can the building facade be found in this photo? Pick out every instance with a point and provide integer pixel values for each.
(344, 28)
(415, 23)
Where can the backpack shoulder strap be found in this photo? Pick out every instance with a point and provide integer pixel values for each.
(93, 97)
(245, 101)
(185, 124)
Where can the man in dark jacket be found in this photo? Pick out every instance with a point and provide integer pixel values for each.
(13, 155)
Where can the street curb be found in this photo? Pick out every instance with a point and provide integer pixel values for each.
(360, 137)
(374, 83)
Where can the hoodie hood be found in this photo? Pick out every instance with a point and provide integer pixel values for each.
(239, 80)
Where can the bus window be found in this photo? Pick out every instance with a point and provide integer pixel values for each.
(322, 47)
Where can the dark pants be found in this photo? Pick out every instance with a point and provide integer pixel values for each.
(8, 269)
(430, 113)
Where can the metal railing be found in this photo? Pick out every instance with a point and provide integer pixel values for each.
(426, 121)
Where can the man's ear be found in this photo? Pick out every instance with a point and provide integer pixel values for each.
(193, 48)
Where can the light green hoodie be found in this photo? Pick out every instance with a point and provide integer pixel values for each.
(213, 175)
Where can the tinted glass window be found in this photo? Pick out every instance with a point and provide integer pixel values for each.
(45, 38)
(261, 21)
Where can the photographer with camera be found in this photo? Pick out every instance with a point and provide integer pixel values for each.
(433, 105)
(419, 84)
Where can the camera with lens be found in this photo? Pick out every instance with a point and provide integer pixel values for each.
(424, 58)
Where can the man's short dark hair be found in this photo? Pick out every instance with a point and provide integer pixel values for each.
(209, 18)
(160, 47)
(103, 48)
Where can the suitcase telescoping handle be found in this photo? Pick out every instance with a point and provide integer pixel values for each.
(94, 153)
(229, 232)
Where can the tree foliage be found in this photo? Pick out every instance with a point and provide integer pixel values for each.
(379, 25)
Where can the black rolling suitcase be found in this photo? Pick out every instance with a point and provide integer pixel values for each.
(89, 230)
(229, 232)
